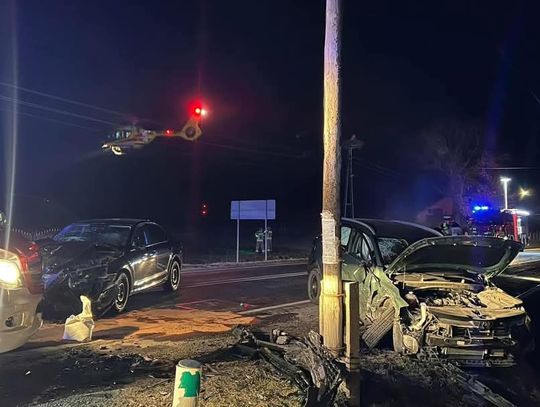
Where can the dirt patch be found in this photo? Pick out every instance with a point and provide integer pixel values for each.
(246, 383)
(223, 384)
(170, 324)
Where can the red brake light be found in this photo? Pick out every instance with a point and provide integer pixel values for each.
(32, 280)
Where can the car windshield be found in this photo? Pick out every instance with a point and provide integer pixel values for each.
(114, 235)
(390, 248)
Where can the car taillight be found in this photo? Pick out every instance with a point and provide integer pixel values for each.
(32, 279)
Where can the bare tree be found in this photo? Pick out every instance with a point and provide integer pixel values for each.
(456, 151)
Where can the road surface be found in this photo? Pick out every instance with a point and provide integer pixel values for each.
(232, 288)
(210, 300)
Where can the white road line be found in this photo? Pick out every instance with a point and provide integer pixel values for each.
(234, 267)
(244, 279)
(289, 304)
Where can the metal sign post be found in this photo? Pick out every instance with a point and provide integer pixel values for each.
(266, 231)
(253, 210)
(238, 236)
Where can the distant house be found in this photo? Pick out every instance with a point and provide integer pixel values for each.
(433, 215)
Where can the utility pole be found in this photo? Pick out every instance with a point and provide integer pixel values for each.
(350, 145)
(331, 305)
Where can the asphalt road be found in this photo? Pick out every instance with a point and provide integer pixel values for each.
(232, 288)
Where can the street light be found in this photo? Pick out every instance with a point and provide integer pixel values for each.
(524, 193)
(505, 181)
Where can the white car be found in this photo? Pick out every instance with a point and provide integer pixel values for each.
(21, 292)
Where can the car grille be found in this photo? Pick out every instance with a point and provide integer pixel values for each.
(500, 329)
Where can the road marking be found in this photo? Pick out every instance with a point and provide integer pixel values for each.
(245, 279)
(235, 267)
(289, 304)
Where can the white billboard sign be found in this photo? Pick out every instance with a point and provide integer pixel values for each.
(253, 210)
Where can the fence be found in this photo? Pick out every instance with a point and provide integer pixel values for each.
(36, 234)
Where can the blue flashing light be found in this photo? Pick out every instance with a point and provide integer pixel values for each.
(477, 208)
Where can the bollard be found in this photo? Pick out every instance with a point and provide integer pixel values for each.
(187, 383)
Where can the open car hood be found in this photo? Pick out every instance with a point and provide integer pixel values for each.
(485, 255)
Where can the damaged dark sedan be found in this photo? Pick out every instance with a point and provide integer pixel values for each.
(432, 296)
(107, 260)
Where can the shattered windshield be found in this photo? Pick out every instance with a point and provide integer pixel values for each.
(390, 248)
(114, 235)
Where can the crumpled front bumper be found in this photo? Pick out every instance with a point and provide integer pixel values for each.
(483, 343)
(63, 290)
(20, 317)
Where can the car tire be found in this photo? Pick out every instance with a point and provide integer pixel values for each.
(314, 285)
(122, 296)
(379, 328)
(173, 280)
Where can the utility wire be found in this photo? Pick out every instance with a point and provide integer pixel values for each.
(62, 99)
(53, 110)
(249, 150)
(52, 120)
(105, 110)
(75, 102)
(511, 168)
(377, 168)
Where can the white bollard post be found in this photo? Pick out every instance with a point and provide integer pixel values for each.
(187, 383)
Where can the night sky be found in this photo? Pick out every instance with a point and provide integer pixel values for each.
(257, 66)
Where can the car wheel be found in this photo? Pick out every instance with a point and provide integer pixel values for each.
(314, 285)
(122, 294)
(173, 281)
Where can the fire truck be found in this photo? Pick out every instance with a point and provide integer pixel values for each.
(503, 223)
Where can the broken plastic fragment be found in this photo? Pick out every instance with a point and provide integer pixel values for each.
(80, 327)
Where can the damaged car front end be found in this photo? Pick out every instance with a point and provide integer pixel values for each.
(451, 310)
(107, 261)
(72, 269)
(432, 296)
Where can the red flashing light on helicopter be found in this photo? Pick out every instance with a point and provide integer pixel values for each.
(198, 111)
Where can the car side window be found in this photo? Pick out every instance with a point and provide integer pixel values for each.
(345, 236)
(361, 247)
(139, 239)
(155, 234)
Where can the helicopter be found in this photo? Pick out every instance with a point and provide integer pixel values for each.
(129, 138)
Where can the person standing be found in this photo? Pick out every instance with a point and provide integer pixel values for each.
(259, 241)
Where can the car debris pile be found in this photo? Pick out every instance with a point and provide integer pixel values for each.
(305, 361)
(80, 327)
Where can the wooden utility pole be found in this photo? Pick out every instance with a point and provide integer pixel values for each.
(331, 308)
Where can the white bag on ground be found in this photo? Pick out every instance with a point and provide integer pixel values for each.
(79, 327)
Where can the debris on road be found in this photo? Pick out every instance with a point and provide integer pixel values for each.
(80, 327)
(305, 361)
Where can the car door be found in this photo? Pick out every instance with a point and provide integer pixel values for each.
(143, 260)
(358, 265)
(159, 247)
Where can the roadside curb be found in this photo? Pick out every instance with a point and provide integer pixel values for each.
(196, 268)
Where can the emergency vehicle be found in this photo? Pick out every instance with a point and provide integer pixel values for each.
(503, 223)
